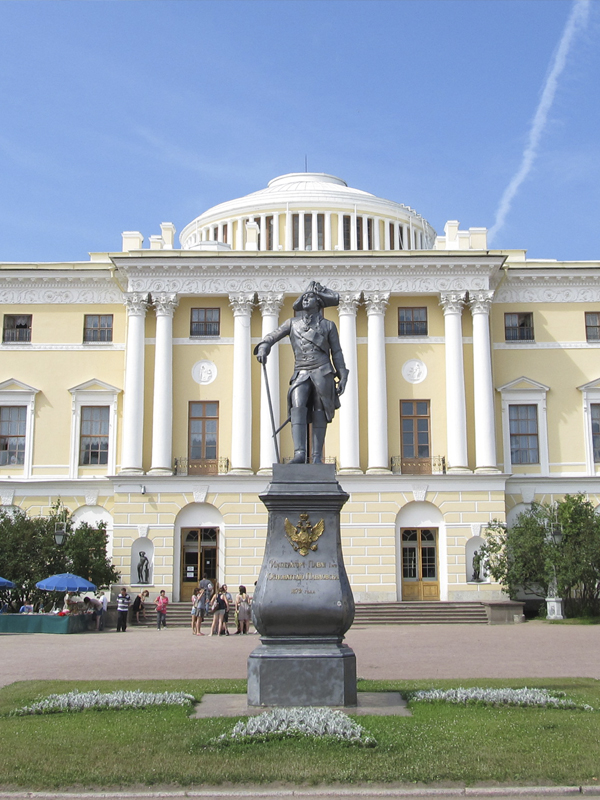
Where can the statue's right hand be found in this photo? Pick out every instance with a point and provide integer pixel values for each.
(262, 351)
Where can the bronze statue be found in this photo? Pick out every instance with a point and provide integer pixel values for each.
(317, 383)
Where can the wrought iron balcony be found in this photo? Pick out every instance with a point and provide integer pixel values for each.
(204, 466)
(436, 465)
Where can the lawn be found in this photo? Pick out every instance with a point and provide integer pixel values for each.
(163, 746)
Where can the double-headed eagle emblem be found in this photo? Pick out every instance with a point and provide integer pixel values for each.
(303, 537)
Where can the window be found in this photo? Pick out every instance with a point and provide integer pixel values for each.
(393, 236)
(93, 440)
(347, 235)
(359, 233)
(308, 232)
(595, 415)
(369, 234)
(523, 422)
(295, 231)
(320, 231)
(205, 322)
(269, 229)
(518, 327)
(415, 436)
(17, 328)
(98, 328)
(13, 424)
(225, 233)
(592, 326)
(412, 322)
(203, 437)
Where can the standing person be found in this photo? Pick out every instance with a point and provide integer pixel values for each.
(194, 610)
(242, 605)
(123, 600)
(104, 600)
(96, 608)
(161, 603)
(206, 591)
(139, 605)
(229, 598)
(219, 606)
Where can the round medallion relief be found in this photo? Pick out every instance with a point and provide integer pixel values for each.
(414, 371)
(204, 372)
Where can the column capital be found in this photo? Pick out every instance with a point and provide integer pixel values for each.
(165, 304)
(452, 302)
(376, 302)
(136, 304)
(270, 303)
(242, 303)
(348, 303)
(480, 301)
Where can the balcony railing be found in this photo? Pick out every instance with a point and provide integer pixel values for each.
(204, 466)
(436, 465)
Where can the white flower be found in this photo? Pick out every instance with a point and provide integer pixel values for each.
(81, 701)
(540, 698)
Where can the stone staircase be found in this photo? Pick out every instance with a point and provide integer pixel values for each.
(413, 613)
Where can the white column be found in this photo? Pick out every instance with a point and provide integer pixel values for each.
(485, 429)
(348, 412)
(263, 231)
(301, 238)
(162, 412)
(133, 400)
(377, 233)
(327, 231)
(289, 231)
(340, 217)
(378, 462)
(456, 409)
(239, 241)
(386, 233)
(241, 407)
(275, 231)
(270, 306)
(314, 230)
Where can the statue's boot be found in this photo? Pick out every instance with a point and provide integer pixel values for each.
(298, 417)
(319, 428)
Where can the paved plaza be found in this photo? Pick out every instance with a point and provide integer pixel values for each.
(529, 650)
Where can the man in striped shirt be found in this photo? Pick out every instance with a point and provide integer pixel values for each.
(123, 600)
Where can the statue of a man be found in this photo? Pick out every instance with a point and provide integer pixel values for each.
(320, 372)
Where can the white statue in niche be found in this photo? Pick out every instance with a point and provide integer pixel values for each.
(414, 371)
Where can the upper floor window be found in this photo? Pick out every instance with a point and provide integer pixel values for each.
(13, 423)
(592, 326)
(93, 441)
(359, 233)
(347, 236)
(203, 431)
(595, 414)
(518, 327)
(98, 328)
(412, 322)
(524, 444)
(415, 436)
(205, 322)
(17, 328)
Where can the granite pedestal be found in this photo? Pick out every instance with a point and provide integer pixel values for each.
(303, 602)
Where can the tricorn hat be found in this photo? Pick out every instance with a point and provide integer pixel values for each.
(326, 297)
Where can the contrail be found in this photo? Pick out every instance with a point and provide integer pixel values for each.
(577, 20)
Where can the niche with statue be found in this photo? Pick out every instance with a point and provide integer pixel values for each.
(475, 564)
(142, 562)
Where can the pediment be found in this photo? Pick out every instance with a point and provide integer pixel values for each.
(590, 386)
(95, 385)
(523, 384)
(13, 385)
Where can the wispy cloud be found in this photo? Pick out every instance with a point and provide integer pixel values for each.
(576, 22)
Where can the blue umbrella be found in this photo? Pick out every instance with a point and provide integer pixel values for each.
(4, 584)
(66, 582)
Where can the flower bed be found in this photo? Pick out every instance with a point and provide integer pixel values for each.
(82, 701)
(538, 698)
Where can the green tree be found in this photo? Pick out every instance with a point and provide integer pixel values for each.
(28, 553)
(526, 557)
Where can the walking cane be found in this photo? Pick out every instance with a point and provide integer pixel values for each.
(275, 432)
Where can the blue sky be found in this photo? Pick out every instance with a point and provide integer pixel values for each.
(121, 115)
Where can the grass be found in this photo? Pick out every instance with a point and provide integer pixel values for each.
(164, 747)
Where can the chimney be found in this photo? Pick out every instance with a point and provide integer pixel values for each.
(132, 240)
(167, 230)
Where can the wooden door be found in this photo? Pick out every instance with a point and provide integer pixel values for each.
(420, 580)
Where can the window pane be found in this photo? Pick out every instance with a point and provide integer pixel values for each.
(93, 445)
(12, 435)
(205, 322)
(406, 408)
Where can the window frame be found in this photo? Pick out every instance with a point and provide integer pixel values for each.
(24, 340)
(110, 329)
(93, 393)
(413, 321)
(424, 461)
(18, 436)
(205, 418)
(519, 327)
(526, 391)
(529, 434)
(16, 393)
(590, 397)
(595, 327)
(205, 322)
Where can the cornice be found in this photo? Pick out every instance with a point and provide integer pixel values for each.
(581, 287)
(32, 288)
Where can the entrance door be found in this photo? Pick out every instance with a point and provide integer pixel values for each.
(420, 579)
(198, 557)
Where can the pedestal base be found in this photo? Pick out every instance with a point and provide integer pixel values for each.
(295, 671)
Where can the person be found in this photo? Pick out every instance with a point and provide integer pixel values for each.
(229, 598)
(206, 592)
(143, 568)
(95, 608)
(242, 606)
(70, 606)
(123, 601)
(194, 609)
(219, 606)
(139, 605)
(26, 608)
(104, 600)
(314, 394)
(161, 603)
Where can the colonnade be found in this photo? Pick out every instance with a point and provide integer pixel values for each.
(398, 235)
(376, 303)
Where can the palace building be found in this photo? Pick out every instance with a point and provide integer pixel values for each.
(128, 387)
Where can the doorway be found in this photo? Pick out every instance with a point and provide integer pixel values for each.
(199, 548)
(420, 579)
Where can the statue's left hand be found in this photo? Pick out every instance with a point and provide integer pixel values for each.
(341, 384)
